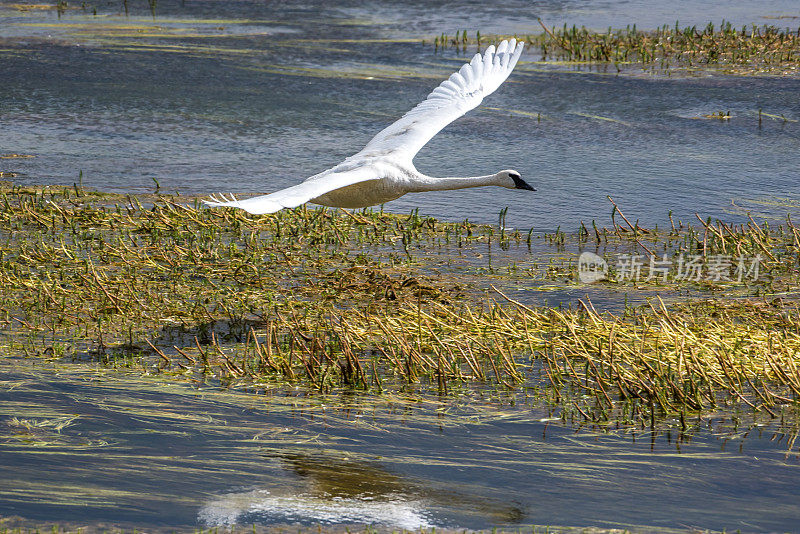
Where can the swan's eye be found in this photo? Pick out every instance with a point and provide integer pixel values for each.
(514, 176)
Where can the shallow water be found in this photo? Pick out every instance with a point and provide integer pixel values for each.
(250, 97)
(245, 98)
(137, 451)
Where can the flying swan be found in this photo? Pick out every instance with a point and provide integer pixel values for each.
(383, 170)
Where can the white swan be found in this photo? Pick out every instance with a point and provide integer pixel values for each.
(383, 170)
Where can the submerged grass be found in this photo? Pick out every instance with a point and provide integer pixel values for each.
(337, 299)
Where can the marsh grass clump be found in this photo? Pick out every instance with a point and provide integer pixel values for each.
(748, 50)
(713, 256)
(760, 48)
(678, 362)
(102, 280)
(338, 299)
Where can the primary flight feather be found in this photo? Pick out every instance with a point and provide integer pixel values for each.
(383, 170)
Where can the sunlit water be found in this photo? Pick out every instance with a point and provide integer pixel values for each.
(251, 97)
(141, 452)
(244, 98)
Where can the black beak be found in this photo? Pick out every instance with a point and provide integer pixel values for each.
(519, 183)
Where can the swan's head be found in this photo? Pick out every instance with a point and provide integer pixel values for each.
(512, 180)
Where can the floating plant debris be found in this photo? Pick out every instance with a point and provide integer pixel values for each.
(719, 115)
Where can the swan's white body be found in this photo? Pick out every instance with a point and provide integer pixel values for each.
(383, 170)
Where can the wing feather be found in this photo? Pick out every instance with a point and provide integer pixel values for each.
(294, 196)
(462, 91)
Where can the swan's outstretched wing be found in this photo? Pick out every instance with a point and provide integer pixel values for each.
(463, 91)
(293, 196)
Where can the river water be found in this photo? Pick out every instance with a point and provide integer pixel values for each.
(139, 452)
(249, 97)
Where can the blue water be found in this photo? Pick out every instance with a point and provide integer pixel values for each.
(254, 106)
(140, 453)
(249, 97)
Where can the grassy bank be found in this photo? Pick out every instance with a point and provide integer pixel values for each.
(336, 299)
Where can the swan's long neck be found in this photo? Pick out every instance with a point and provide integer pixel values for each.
(424, 183)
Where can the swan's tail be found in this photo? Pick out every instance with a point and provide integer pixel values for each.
(221, 200)
(257, 205)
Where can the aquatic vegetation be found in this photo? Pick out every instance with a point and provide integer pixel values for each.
(32, 7)
(746, 50)
(719, 115)
(338, 299)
